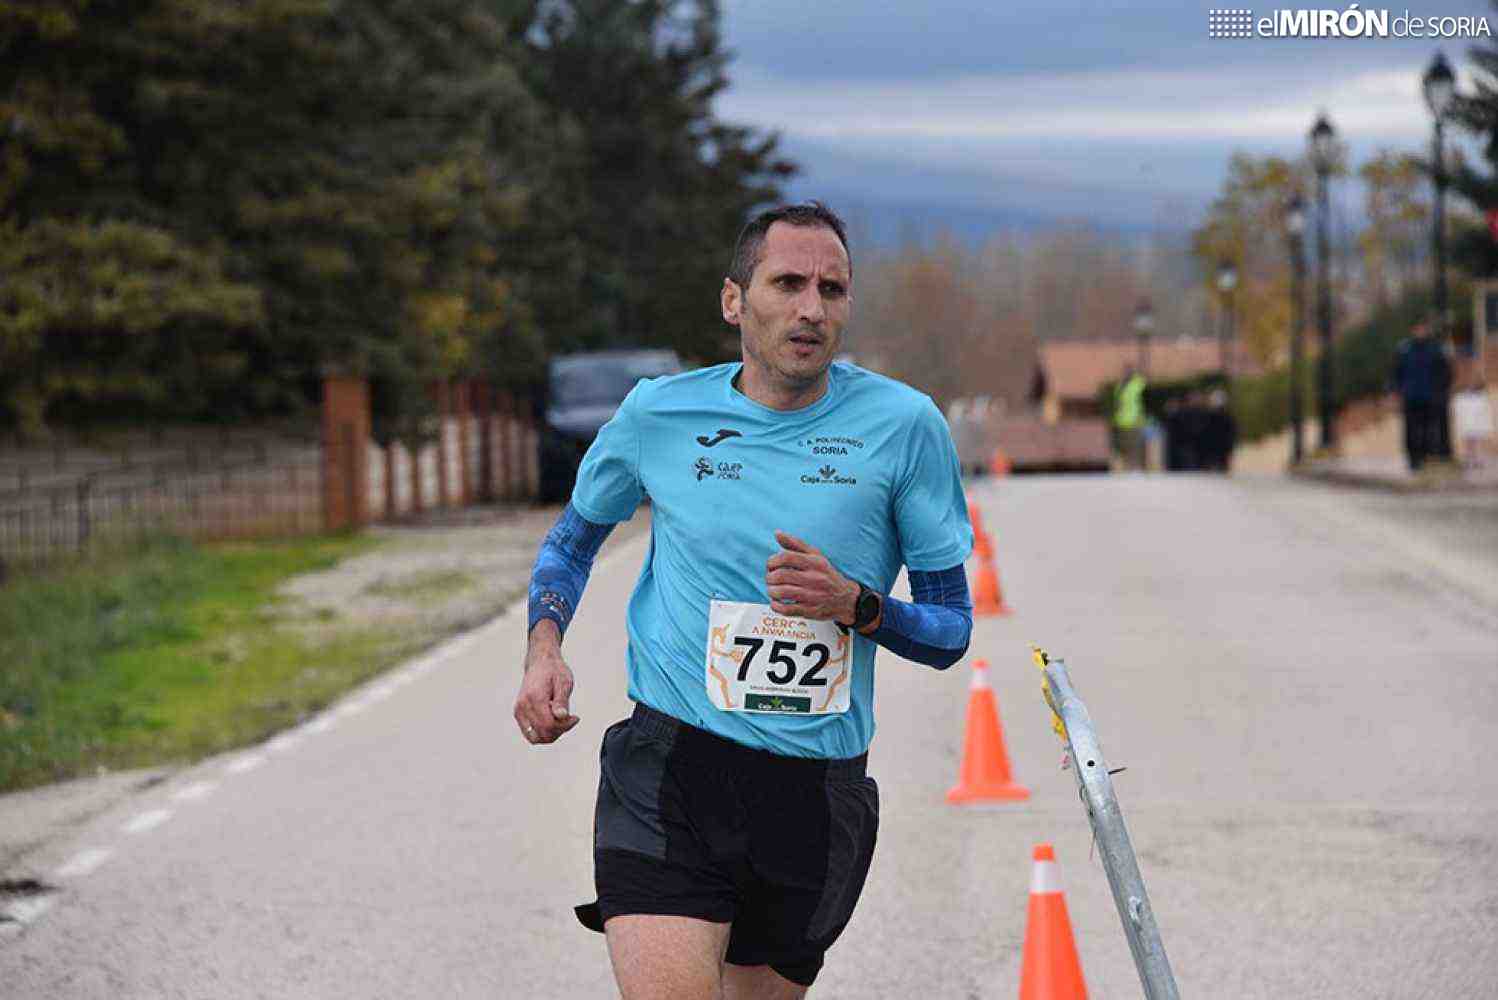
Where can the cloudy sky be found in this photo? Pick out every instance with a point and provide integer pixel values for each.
(1021, 111)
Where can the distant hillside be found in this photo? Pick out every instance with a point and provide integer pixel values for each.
(886, 223)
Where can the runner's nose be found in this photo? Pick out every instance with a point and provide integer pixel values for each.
(810, 308)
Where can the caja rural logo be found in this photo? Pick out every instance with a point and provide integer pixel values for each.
(828, 474)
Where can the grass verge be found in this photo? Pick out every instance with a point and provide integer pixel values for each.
(171, 652)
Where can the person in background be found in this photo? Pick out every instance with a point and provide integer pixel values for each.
(1221, 432)
(1128, 419)
(1472, 413)
(1422, 377)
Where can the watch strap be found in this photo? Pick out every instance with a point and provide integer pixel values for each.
(865, 607)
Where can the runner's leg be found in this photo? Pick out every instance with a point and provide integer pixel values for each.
(758, 982)
(658, 957)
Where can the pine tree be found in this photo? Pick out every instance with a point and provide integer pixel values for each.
(1474, 249)
(657, 188)
(340, 176)
(105, 300)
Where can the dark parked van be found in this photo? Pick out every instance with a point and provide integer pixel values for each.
(582, 393)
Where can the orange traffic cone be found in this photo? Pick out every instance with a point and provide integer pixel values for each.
(1052, 970)
(982, 544)
(974, 517)
(999, 464)
(988, 596)
(984, 776)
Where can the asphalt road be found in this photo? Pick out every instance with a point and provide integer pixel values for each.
(1301, 681)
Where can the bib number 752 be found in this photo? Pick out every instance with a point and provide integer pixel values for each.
(781, 656)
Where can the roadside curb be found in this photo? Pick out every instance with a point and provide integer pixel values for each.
(1391, 484)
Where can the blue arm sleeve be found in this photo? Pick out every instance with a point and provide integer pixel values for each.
(562, 568)
(933, 628)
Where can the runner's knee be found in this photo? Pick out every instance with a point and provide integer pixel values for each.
(658, 957)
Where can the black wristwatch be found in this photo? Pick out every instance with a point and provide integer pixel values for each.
(865, 607)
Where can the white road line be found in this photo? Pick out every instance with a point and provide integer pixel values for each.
(248, 762)
(83, 863)
(321, 724)
(380, 693)
(25, 911)
(197, 790)
(284, 742)
(351, 709)
(147, 821)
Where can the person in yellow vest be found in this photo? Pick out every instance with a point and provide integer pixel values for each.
(1128, 419)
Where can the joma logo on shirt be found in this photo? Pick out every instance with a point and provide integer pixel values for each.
(828, 474)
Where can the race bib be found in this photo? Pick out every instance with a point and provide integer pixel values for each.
(759, 660)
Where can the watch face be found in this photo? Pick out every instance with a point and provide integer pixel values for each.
(868, 607)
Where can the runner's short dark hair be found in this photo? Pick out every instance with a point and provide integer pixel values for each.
(750, 248)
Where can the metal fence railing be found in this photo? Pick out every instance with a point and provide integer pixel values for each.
(1085, 757)
(126, 455)
(99, 512)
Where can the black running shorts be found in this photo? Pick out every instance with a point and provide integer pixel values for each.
(691, 824)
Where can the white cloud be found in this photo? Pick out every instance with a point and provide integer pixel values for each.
(1174, 107)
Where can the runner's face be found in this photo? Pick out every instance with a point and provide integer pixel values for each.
(791, 317)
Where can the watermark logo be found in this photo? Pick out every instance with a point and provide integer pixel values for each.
(1347, 22)
(1230, 22)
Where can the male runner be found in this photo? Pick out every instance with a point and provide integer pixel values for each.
(735, 822)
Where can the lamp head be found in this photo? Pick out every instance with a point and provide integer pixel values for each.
(1323, 144)
(1439, 86)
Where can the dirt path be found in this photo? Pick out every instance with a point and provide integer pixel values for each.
(447, 574)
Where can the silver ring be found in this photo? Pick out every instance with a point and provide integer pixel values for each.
(530, 730)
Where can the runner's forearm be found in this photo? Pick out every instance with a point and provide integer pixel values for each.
(562, 568)
(934, 628)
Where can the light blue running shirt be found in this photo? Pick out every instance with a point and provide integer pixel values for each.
(867, 474)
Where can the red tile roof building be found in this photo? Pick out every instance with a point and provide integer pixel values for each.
(1076, 369)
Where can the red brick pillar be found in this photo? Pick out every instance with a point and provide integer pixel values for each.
(392, 513)
(463, 405)
(530, 470)
(413, 451)
(444, 410)
(506, 446)
(483, 395)
(345, 452)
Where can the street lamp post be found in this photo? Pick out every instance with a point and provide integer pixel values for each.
(1323, 157)
(1227, 280)
(1295, 225)
(1144, 326)
(1439, 86)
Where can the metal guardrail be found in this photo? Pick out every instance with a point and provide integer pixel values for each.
(1072, 723)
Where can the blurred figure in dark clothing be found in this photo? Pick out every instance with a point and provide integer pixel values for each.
(1038, 387)
(1200, 432)
(1220, 433)
(1175, 437)
(1193, 422)
(1422, 377)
